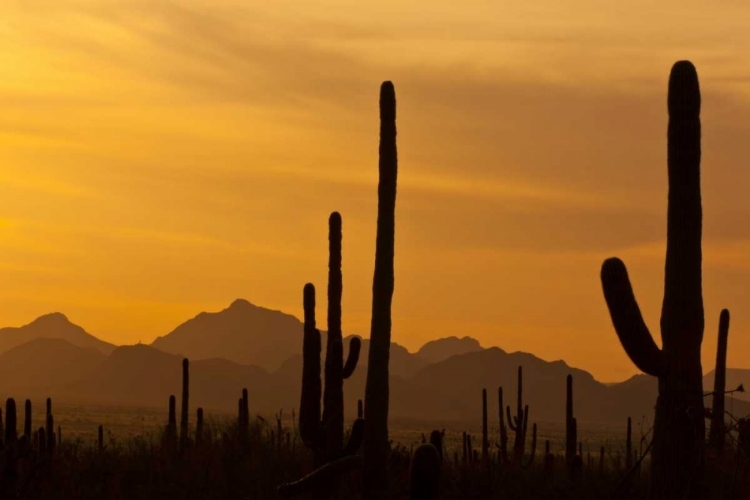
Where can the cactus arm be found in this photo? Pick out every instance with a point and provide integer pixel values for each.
(628, 320)
(355, 437)
(309, 410)
(512, 426)
(322, 477)
(355, 345)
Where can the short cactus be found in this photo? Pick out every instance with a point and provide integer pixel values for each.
(424, 474)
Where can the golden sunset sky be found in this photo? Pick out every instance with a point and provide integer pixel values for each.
(162, 158)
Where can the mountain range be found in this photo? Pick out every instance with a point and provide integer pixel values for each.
(247, 346)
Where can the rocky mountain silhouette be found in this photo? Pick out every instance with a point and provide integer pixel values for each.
(443, 380)
(52, 326)
(243, 333)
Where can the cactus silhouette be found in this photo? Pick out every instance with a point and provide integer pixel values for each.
(424, 473)
(376, 446)
(436, 440)
(679, 427)
(325, 437)
(11, 429)
(101, 439)
(27, 420)
(50, 431)
(485, 439)
(244, 419)
(335, 369)
(570, 432)
(184, 405)
(716, 437)
(503, 429)
(42, 440)
(519, 422)
(199, 427)
(170, 432)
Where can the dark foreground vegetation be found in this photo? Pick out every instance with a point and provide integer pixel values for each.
(318, 457)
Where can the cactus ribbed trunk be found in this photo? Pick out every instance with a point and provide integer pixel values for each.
(376, 446)
(716, 436)
(677, 455)
(184, 405)
(27, 420)
(309, 408)
(199, 427)
(570, 434)
(11, 429)
(51, 441)
(333, 396)
(519, 422)
(503, 429)
(485, 438)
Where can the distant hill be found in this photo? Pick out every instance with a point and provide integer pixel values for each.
(252, 335)
(51, 326)
(45, 362)
(142, 375)
(442, 349)
(246, 346)
(243, 333)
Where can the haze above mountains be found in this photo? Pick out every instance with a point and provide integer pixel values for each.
(249, 346)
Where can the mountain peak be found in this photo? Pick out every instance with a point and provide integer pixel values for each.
(52, 318)
(240, 303)
(440, 349)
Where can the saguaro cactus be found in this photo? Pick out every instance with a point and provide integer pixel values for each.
(716, 433)
(184, 404)
(485, 440)
(27, 420)
(323, 437)
(199, 427)
(503, 429)
(519, 422)
(170, 433)
(679, 427)
(376, 446)
(571, 434)
(11, 429)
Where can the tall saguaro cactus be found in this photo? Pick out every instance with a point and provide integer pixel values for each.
(503, 453)
(335, 369)
(485, 440)
(376, 446)
(716, 433)
(571, 428)
(679, 427)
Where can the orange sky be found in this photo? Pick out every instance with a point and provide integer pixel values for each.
(164, 158)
